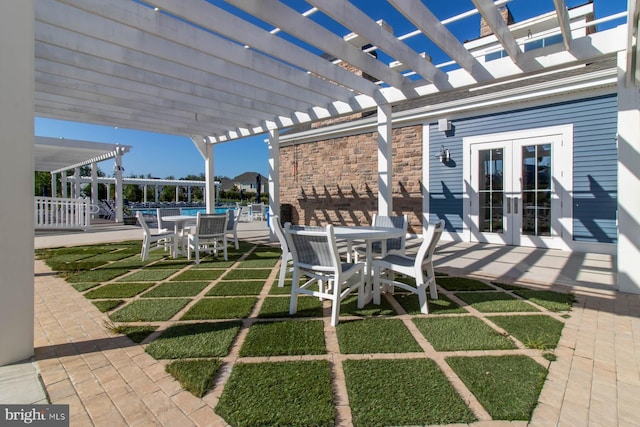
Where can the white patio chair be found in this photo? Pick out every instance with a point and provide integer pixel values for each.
(315, 255)
(232, 226)
(393, 246)
(210, 231)
(287, 258)
(412, 267)
(166, 225)
(151, 241)
(257, 211)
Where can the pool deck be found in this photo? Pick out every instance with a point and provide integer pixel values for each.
(108, 380)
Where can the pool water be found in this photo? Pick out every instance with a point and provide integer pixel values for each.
(186, 211)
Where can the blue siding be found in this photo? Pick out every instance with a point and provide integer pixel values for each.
(594, 161)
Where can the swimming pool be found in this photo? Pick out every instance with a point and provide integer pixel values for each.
(186, 211)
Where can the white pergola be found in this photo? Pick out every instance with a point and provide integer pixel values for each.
(59, 155)
(218, 73)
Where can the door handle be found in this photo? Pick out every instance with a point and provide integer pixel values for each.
(508, 205)
(515, 205)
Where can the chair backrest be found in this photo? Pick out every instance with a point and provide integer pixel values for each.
(160, 212)
(277, 228)
(400, 221)
(143, 222)
(429, 242)
(232, 221)
(211, 224)
(313, 248)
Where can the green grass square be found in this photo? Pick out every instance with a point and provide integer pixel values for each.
(292, 394)
(136, 333)
(118, 290)
(231, 288)
(195, 376)
(289, 338)
(495, 302)
(213, 262)
(349, 307)
(99, 275)
(148, 275)
(552, 301)
(462, 284)
(81, 287)
(149, 310)
(265, 252)
(220, 308)
(247, 274)
(402, 392)
(540, 332)
(176, 289)
(107, 304)
(171, 263)
(194, 340)
(461, 333)
(508, 387)
(442, 305)
(196, 275)
(258, 263)
(276, 307)
(285, 290)
(375, 336)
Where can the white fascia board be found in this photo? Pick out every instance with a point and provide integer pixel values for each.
(602, 81)
(222, 22)
(305, 29)
(353, 18)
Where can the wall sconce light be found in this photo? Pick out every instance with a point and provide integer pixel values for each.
(444, 156)
(444, 125)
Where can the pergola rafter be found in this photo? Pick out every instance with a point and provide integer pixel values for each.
(193, 67)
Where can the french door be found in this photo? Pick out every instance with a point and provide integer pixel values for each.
(514, 198)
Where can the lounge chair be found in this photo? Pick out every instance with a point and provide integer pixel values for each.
(393, 246)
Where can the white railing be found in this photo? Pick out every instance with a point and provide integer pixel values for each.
(62, 213)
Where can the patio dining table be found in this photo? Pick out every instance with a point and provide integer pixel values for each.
(179, 224)
(367, 234)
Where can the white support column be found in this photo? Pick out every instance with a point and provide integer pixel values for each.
(16, 181)
(210, 189)
(385, 161)
(76, 183)
(144, 194)
(189, 194)
(274, 179)
(108, 191)
(628, 179)
(177, 193)
(118, 171)
(156, 194)
(54, 185)
(64, 185)
(94, 184)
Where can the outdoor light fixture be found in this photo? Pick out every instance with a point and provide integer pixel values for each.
(444, 125)
(444, 156)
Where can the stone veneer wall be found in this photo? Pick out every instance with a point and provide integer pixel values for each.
(335, 181)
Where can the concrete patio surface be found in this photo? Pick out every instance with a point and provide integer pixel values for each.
(108, 380)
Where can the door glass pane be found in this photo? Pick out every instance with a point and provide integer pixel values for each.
(490, 186)
(536, 190)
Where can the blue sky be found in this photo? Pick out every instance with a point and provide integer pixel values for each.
(169, 155)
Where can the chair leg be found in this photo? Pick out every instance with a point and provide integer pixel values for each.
(293, 305)
(335, 305)
(283, 272)
(431, 281)
(376, 285)
(361, 295)
(224, 247)
(145, 249)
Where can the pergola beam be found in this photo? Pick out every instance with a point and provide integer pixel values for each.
(563, 21)
(491, 15)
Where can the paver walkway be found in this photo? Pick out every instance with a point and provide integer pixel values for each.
(108, 380)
